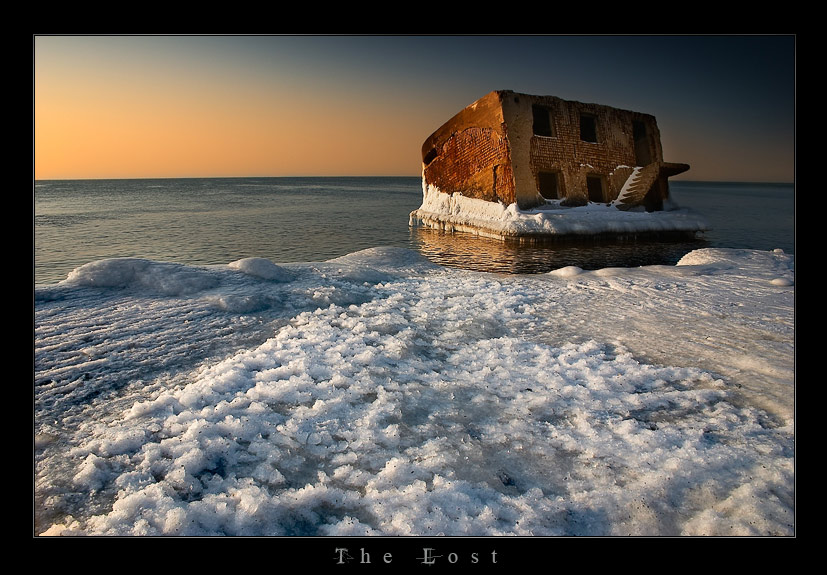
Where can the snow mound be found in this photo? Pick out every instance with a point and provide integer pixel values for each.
(262, 268)
(387, 258)
(158, 277)
(774, 266)
(567, 272)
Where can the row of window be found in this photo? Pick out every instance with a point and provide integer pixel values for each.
(551, 188)
(543, 125)
(549, 183)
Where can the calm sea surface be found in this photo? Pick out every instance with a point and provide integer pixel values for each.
(217, 221)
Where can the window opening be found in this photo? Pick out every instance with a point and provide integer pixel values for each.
(643, 153)
(588, 128)
(594, 185)
(542, 121)
(549, 185)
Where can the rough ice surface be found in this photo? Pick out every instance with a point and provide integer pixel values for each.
(458, 212)
(379, 394)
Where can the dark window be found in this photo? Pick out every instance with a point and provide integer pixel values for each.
(643, 153)
(594, 184)
(639, 129)
(588, 128)
(549, 185)
(542, 121)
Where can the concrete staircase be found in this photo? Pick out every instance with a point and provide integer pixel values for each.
(637, 185)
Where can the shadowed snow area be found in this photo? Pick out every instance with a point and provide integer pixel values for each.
(379, 394)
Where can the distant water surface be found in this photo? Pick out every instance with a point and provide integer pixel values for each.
(742, 215)
(220, 220)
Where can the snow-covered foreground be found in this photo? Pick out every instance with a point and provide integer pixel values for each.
(379, 394)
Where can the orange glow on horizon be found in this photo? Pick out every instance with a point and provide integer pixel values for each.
(142, 137)
(105, 123)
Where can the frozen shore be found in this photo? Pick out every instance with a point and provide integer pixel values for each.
(380, 394)
(455, 212)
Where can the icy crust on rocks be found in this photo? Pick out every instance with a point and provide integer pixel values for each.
(457, 212)
(378, 394)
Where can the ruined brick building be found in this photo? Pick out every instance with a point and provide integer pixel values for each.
(522, 149)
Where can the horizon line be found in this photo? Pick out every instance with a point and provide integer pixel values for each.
(124, 178)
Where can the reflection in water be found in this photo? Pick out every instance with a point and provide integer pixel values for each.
(469, 251)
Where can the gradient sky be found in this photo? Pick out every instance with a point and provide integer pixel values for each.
(163, 106)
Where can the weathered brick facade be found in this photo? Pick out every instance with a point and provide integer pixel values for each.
(474, 161)
(511, 147)
(469, 154)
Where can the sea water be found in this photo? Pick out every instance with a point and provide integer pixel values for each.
(215, 221)
(219, 220)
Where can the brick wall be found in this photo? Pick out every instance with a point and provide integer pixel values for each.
(574, 159)
(473, 161)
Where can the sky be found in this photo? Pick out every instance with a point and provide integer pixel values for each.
(236, 106)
